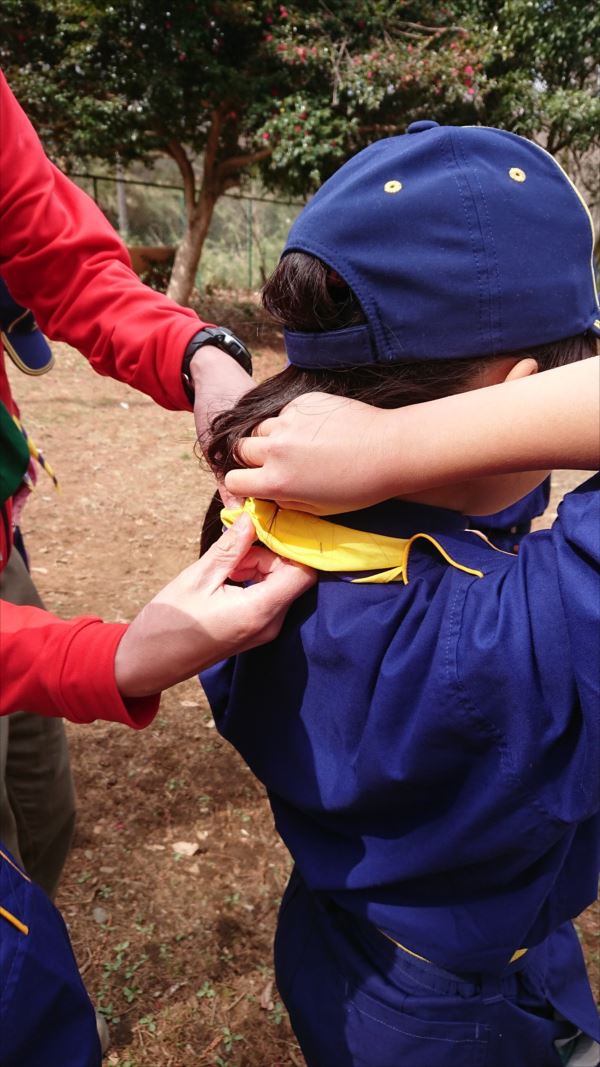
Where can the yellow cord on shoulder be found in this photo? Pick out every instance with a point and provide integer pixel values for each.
(12, 919)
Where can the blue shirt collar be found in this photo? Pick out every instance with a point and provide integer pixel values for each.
(401, 518)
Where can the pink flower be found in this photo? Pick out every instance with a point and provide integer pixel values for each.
(266, 136)
(468, 69)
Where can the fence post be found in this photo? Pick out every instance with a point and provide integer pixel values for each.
(249, 239)
(121, 199)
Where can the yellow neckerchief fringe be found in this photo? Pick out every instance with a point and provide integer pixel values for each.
(326, 546)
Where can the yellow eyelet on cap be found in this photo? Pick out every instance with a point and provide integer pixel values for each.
(517, 174)
(392, 187)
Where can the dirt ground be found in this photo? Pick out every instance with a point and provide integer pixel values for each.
(173, 882)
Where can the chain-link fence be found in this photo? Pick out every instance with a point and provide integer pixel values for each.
(244, 241)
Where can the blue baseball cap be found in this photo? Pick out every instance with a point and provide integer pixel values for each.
(21, 337)
(458, 241)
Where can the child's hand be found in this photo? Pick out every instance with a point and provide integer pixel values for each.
(326, 454)
(323, 454)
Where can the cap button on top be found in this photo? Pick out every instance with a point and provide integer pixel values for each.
(421, 125)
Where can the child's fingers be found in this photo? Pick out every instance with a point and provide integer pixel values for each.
(265, 427)
(250, 482)
(252, 450)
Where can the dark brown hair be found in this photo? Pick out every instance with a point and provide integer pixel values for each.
(305, 294)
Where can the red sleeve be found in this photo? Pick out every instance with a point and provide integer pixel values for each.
(66, 669)
(61, 257)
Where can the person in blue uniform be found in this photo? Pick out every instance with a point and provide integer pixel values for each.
(46, 1016)
(426, 724)
(507, 528)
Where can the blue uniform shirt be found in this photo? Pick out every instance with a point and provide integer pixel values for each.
(520, 513)
(431, 751)
(46, 1016)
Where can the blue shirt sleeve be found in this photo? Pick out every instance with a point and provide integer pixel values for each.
(528, 661)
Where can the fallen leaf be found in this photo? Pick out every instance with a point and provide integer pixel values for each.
(266, 997)
(185, 848)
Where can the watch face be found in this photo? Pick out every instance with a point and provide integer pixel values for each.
(224, 339)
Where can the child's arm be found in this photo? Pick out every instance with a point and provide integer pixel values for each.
(328, 454)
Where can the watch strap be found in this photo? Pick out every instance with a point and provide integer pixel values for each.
(221, 338)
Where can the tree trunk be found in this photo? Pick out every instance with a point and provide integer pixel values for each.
(189, 249)
(216, 178)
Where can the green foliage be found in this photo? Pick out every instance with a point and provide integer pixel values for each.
(306, 84)
(358, 71)
(541, 67)
(235, 90)
(299, 86)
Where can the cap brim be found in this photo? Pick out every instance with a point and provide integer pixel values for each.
(30, 352)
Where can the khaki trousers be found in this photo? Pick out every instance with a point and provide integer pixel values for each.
(37, 797)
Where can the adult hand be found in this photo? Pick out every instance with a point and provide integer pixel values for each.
(322, 454)
(197, 619)
(218, 383)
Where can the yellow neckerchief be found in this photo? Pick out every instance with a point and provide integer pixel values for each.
(325, 546)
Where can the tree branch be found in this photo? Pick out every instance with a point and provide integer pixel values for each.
(429, 29)
(210, 152)
(236, 163)
(179, 154)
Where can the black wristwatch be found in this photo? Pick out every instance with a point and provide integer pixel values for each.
(221, 338)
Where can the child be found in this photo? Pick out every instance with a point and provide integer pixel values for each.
(426, 724)
(507, 528)
(46, 1016)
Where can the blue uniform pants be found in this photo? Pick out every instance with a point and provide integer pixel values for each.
(356, 1000)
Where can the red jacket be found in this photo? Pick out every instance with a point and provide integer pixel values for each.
(61, 258)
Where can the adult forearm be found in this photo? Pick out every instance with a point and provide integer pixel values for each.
(64, 668)
(61, 257)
